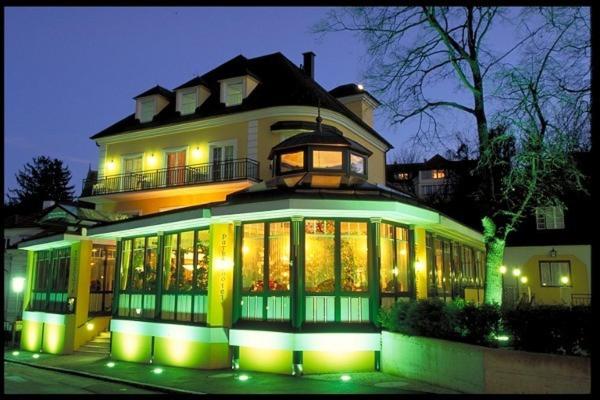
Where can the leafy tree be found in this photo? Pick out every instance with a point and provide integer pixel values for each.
(43, 179)
(538, 101)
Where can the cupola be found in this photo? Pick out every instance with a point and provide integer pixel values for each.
(322, 158)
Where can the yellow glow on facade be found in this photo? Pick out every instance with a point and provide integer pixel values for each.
(110, 165)
(152, 160)
(131, 347)
(334, 361)
(197, 153)
(54, 338)
(89, 326)
(31, 335)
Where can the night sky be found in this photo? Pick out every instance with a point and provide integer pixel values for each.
(71, 72)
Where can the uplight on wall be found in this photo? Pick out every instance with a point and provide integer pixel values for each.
(564, 280)
(197, 153)
(110, 165)
(419, 266)
(524, 279)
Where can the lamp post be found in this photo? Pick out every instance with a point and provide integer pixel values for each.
(17, 284)
(524, 281)
(516, 273)
(564, 282)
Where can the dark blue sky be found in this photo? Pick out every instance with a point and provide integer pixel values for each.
(71, 72)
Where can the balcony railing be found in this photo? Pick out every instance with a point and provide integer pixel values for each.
(223, 171)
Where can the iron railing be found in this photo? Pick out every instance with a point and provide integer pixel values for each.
(581, 299)
(223, 171)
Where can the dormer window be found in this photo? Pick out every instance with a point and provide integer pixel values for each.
(234, 92)
(147, 108)
(188, 101)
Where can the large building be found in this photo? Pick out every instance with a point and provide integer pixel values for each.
(261, 234)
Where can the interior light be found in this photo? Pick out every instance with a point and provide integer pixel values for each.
(138, 311)
(243, 377)
(395, 271)
(245, 249)
(418, 265)
(345, 378)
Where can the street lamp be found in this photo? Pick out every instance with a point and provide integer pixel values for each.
(502, 272)
(524, 281)
(18, 285)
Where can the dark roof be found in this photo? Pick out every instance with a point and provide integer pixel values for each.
(280, 83)
(197, 81)
(328, 137)
(156, 90)
(435, 162)
(350, 89)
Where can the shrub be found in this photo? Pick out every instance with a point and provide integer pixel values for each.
(550, 329)
(479, 324)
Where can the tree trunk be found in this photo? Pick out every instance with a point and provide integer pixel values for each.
(494, 247)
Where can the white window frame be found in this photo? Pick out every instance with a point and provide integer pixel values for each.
(222, 143)
(146, 100)
(552, 217)
(184, 92)
(225, 83)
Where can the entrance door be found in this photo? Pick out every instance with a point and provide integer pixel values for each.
(222, 161)
(102, 277)
(176, 168)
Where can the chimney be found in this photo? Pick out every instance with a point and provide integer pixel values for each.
(309, 64)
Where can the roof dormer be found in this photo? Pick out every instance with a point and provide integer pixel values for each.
(151, 102)
(234, 90)
(357, 100)
(191, 95)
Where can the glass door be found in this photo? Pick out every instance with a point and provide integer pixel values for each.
(175, 168)
(132, 168)
(221, 158)
(102, 268)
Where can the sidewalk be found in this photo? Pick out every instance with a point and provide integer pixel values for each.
(185, 380)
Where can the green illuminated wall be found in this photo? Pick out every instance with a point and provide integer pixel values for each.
(131, 347)
(319, 362)
(31, 335)
(266, 360)
(54, 338)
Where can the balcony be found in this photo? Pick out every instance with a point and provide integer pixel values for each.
(215, 172)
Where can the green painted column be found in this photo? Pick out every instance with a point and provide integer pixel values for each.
(297, 284)
(374, 252)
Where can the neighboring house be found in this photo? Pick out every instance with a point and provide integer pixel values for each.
(432, 178)
(263, 234)
(553, 250)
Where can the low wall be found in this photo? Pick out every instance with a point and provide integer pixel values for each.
(475, 369)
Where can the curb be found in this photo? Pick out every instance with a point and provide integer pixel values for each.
(165, 389)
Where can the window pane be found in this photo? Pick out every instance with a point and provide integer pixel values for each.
(319, 255)
(357, 164)
(97, 269)
(253, 255)
(138, 264)
(151, 258)
(62, 281)
(188, 103)
(387, 258)
(279, 256)
(186, 261)
(147, 112)
(402, 258)
(234, 93)
(439, 266)
(202, 254)
(354, 252)
(169, 262)
(292, 161)
(327, 159)
(125, 261)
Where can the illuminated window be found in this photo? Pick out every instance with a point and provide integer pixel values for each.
(202, 259)
(188, 101)
(147, 110)
(357, 164)
(137, 283)
(51, 280)
(170, 262)
(438, 174)
(550, 217)
(279, 256)
(402, 176)
(354, 250)
(319, 255)
(125, 264)
(327, 159)
(234, 92)
(253, 253)
(102, 273)
(185, 270)
(394, 259)
(292, 161)
(555, 273)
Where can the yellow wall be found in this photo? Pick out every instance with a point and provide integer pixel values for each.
(420, 263)
(322, 362)
(220, 275)
(553, 295)
(190, 354)
(266, 360)
(31, 335)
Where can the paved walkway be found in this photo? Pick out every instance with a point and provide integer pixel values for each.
(185, 380)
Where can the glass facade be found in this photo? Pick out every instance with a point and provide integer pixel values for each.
(51, 280)
(394, 272)
(177, 285)
(102, 275)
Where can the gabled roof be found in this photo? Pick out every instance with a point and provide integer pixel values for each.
(281, 83)
(197, 81)
(156, 90)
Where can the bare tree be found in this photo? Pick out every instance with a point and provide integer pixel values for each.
(539, 104)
